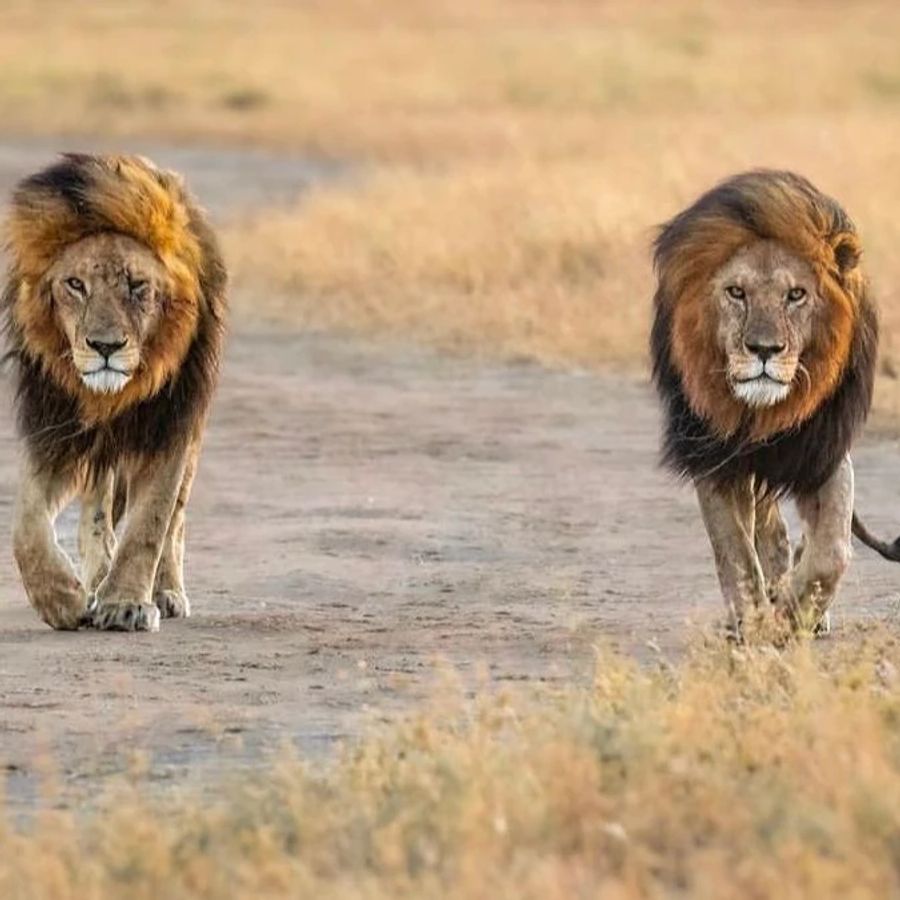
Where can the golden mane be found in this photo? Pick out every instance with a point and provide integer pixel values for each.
(761, 205)
(84, 195)
(164, 405)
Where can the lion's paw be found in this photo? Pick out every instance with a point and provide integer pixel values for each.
(65, 616)
(123, 616)
(172, 604)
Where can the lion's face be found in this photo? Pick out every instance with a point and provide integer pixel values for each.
(767, 301)
(107, 292)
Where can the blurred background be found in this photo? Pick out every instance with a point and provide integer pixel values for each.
(483, 175)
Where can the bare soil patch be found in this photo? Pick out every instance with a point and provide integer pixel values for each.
(363, 512)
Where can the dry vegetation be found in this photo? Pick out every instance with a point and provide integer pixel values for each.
(732, 774)
(515, 154)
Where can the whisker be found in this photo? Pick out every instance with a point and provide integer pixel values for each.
(802, 370)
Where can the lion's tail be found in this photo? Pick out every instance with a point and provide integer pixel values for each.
(888, 551)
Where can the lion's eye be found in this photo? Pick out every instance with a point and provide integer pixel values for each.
(137, 287)
(796, 294)
(75, 284)
(735, 292)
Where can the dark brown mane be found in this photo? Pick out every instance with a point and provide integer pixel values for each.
(794, 446)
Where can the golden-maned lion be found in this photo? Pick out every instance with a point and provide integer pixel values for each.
(763, 348)
(114, 307)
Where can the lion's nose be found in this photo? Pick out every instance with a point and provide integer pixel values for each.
(106, 348)
(763, 349)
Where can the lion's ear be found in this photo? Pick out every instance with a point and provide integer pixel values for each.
(847, 253)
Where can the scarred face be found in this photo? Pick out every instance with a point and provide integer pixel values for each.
(107, 292)
(767, 300)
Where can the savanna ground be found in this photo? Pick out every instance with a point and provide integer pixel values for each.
(483, 178)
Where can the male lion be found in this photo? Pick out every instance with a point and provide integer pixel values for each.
(763, 350)
(114, 308)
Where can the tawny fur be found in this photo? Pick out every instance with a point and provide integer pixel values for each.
(741, 456)
(147, 434)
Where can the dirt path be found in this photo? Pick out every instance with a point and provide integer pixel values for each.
(361, 512)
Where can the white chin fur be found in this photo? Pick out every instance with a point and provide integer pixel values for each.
(760, 391)
(105, 381)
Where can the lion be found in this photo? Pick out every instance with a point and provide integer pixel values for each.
(114, 311)
(764, 347)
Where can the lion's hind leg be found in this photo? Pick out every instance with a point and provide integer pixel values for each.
(96, 529)
(773, 546)
(168, 589)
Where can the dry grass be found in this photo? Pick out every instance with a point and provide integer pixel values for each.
(733, 774)
(517, 153)
(434, 79)
(543, 260)
(501, 260)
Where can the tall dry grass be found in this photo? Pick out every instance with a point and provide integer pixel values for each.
(514, 155)
(546, 260)
(735, 773)
(500, 259)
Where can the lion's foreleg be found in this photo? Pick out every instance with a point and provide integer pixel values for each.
(729, 516)
(168, 590)
(50, 580)
(96, 531)
(124, 599)
(827, 517)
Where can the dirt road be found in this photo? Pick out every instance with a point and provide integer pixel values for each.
(361, 512)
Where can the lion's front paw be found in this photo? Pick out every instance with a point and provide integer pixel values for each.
(64, 611)
(106, 615)
(802, 616)
(173, 604)
(63, 618)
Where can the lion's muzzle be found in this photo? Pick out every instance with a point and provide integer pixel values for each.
(107, 367)
(760, 391)
(761, 376)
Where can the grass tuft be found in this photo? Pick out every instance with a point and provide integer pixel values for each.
(732, 773)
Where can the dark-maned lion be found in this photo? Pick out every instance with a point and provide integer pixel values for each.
(114, 308)
(763, 346)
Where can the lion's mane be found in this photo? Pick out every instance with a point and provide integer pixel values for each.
(795, 445)
(63, 423)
